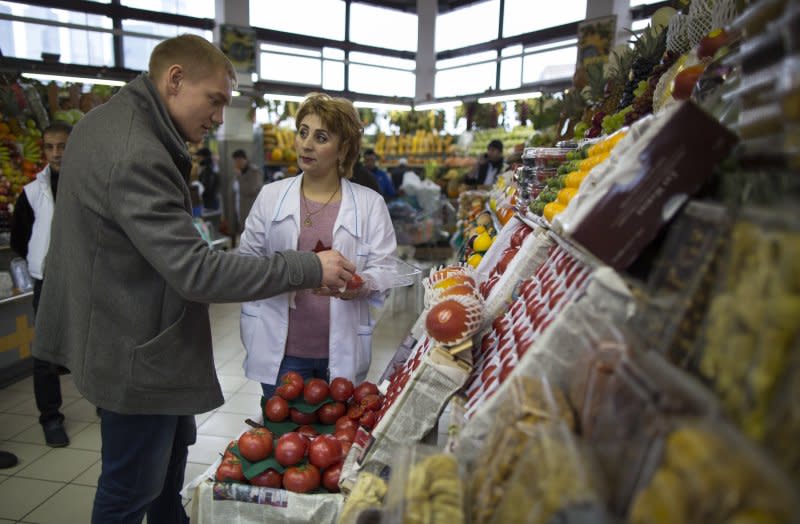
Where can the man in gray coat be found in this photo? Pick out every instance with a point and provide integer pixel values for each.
(125, 304)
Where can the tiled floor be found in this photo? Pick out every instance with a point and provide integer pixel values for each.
(58, 485)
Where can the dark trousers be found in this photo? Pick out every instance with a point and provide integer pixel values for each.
(307, 367)
(144, 458)
(46, 381)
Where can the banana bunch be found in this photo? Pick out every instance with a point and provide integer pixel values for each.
(31, 148)
(5, 154)
(434, 492)
(367, 494)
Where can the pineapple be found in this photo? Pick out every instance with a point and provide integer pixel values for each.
(648, 50)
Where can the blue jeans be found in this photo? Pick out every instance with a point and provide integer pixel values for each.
(307, 367)
(144, 458)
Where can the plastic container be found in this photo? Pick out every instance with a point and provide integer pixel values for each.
(19, 275)
(545, 157)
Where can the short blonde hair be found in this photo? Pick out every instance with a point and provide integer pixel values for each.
(340, 118)
(195, 54)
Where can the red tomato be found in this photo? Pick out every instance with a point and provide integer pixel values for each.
(331, 412)
(269, 479)
(446, 322)
(307, 431)
(291, 449)
(289, 390)
(346, 422)
(228, 453)
(368, 419)
(324, 451)
(292, 376)
(301, 479)
(355, 283)
(341, 389)
(315, 391)
(330, 477)
(276, 409)
(371, 402)
(345, 434)
(230, 470)
(346, 448)
(300, 418)
(355, 412)
(255, 444)
(364, 389)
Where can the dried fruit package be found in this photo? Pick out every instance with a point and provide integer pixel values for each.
(554, 480)
(709, 474)
(749, 347)
(425, 487)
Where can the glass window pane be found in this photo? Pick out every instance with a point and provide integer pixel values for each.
(549, 65)
(161, 30)
(519, 18)
(382, 27)
(640, 25)
(137, 51)
(512, 51)
(474, 24)
(313, 53)
(551, 45)
(290, 69)
(643, 2)
(332, 75)
(378, 81)
(466, 59)
(197, 8)
(56, 15)
(322, 18)
(388, 61)
(511, 73)
(75, 46)
(333, 53)
(465, 80)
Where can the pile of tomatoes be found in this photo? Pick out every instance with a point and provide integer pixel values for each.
(308, 457)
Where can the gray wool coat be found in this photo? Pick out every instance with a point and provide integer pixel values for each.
(129, 279)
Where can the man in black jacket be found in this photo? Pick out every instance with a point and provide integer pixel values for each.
(489, 167)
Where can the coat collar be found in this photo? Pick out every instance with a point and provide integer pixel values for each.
(289, 206)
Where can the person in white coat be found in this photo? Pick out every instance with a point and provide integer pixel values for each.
(324, 333)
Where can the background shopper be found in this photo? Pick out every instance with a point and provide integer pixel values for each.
(30, 238)
(251, 180)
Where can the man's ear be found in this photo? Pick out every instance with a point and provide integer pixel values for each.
(174, 77)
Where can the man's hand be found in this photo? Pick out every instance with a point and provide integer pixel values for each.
(336, 270)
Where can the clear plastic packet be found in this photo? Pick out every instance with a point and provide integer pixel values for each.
(705, 472)
(425, 486)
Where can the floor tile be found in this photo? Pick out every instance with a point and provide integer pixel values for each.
(232, 367)
(12, 425)
(231, 383)
(61, 464)
(88, 438)
(193, 470)
(34, 434)
(251, 386)
(82, 410)
(202, 417)
(20, 496)
(26, 385)
(71, 504)
(207, 449)
(244, 403)
(26, 454)
(90, 476)
(220, 424)
(27, 407)
(9, 399)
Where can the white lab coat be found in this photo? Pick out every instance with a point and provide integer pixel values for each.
(363, 233)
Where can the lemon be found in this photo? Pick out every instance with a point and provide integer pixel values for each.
(479, 230)
(482, 242)
(552, 209)
(475, 259)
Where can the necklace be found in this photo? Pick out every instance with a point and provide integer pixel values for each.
(307, 222)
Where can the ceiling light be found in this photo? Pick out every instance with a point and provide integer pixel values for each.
(236, 93)
(429, 106)
(74, 79)
(386, 107)
(284, 98)
(508, 98)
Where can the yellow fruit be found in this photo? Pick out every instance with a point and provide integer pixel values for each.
(482, 242)
(566, 194)
(575, 178)
(552, 209)
(475, 259)
(277, 155)
(479, 230)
